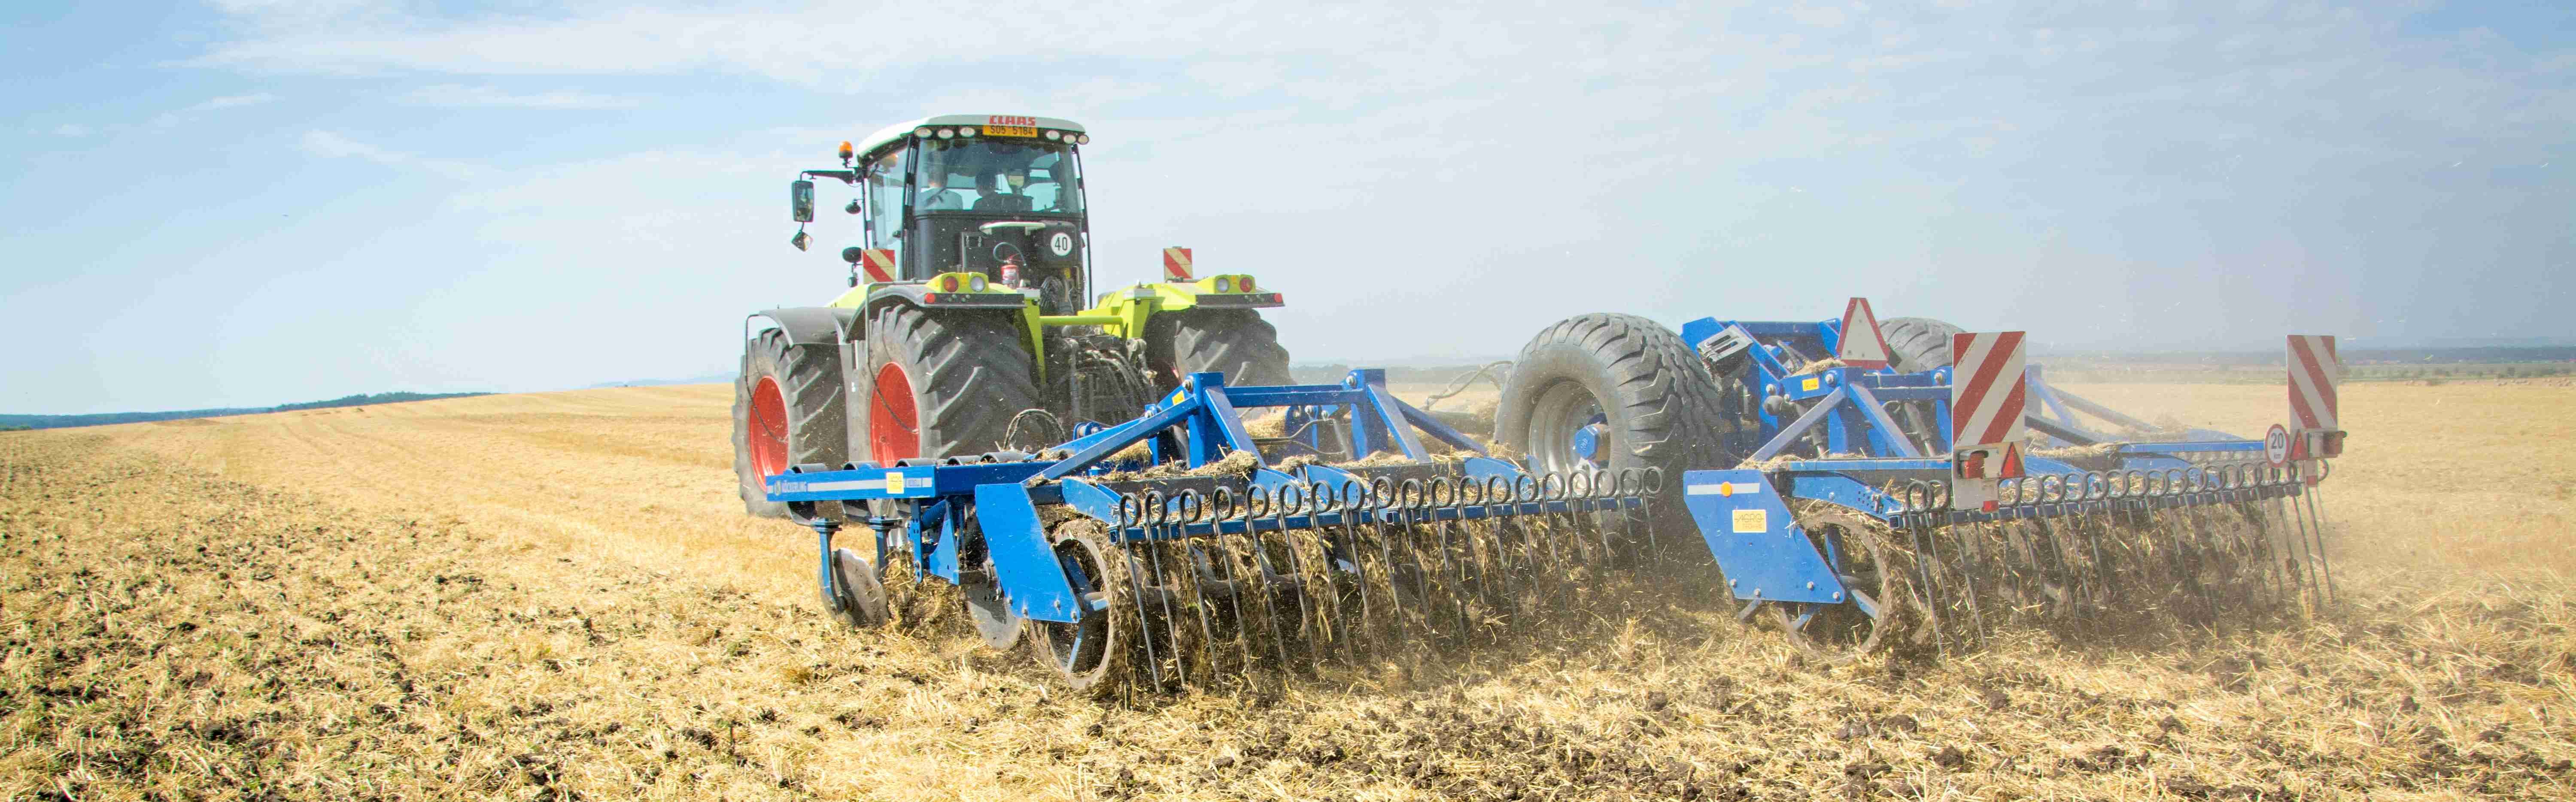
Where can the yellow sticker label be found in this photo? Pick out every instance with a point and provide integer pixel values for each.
(894, 483)
(1809, 384)
(1010, 130)
(1755, 521)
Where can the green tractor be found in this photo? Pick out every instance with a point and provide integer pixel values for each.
(970, 325)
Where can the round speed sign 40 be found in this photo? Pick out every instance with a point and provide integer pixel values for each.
(2276, 446)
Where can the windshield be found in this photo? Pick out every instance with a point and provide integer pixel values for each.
(997, 175)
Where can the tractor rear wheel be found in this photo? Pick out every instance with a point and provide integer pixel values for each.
(943, 383)
(1919, 343)
(1236, 342)
(786, 411)
(1612, 392)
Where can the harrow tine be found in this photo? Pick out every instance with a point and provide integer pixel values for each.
(1931, 592)
(1233, 578)
(1231, 507)
(1136, 584)
(2307, 555)
(2323, 561)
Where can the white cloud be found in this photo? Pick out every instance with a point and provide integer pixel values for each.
(232, 101)
(459, 95)
(334, 145)
(172, 118)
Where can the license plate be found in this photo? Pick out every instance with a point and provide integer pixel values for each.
(1009, 130)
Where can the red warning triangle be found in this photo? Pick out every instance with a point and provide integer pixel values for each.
(1863, 346)
(2012, 462)
(2298, 446)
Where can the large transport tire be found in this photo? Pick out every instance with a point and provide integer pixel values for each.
(942, 383)
(786, 411)
(1642, 394)
(1919, 343)
(1236, 342)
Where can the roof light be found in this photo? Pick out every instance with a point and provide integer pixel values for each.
(1084, 139)
(922, 131)
(1053, 135)
(946, 133)
(845, 150)
(968, 131)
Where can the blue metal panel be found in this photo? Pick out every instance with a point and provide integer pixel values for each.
(1089, 499)
(1292, 396)
(1032, 581)
(941, 559)
(1762, 552)
(857, 483)
(1812, 385)
(1698, 331)
(1228, 422)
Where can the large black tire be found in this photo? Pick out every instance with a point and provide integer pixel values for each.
(965, 375)
(1236, 342)
(807, 382)
(1661, 407)
(1919, 343)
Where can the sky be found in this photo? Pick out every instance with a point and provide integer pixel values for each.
(252, 202)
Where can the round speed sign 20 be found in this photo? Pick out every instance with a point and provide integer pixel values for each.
(2276, 446)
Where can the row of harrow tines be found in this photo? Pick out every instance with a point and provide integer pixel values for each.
(1893, 562)
(1180, 551)
(1214, 584)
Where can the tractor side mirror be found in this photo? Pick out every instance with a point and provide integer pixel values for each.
(801, 196)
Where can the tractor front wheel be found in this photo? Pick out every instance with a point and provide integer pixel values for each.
(786, 411)
(1236, 342)
(943, 384)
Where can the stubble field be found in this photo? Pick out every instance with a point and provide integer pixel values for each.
(557, 596)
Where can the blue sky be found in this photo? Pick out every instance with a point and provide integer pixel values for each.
(249, 202)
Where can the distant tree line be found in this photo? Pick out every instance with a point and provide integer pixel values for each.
(22, 422)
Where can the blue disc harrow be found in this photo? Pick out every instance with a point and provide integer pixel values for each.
(1180, 549)
(1840, 522)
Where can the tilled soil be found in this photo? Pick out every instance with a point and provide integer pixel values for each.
(170, 632)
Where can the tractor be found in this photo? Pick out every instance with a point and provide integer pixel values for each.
(970, 323)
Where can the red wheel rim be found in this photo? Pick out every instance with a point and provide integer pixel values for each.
(894, 428)
(768, 428)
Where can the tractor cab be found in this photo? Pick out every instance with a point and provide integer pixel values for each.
(995, 195)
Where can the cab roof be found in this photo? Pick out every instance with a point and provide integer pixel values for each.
(895, 133)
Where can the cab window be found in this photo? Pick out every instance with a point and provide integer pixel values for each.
(997, 176)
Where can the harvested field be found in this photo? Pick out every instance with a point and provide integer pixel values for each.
(557, 595)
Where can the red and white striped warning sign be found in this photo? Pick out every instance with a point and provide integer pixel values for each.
(1176, 264)
(1863, 346)
(2314, 369)
(1986, 389)
(878, 263)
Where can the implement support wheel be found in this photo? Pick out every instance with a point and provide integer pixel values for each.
(1091, 655)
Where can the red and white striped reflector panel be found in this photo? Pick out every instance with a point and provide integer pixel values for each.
(2314, 368)
(1176, 264)
(878, 263)
(1986, 389)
